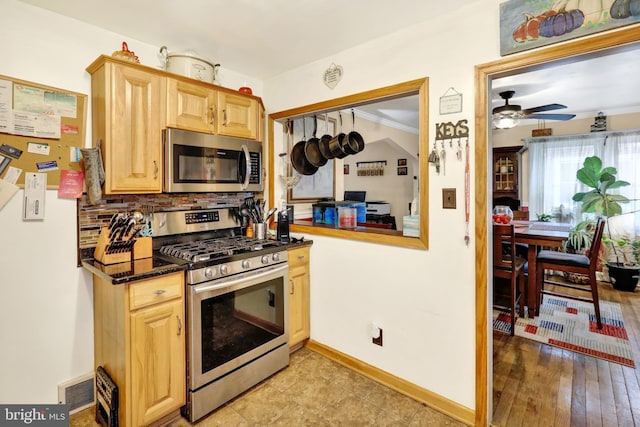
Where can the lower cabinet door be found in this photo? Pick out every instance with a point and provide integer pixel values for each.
(298, 305)
(158, 378)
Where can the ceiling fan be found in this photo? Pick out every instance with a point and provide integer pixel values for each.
(507, 116)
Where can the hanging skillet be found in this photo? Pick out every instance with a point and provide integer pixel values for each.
(312, 148)
(323, 145)
(336, 146)
(356, 141)
(298, 158)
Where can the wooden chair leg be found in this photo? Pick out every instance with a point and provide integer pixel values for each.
(523, 297)
(523, 293)
(596, 300)
(512, 295)
(539, 285)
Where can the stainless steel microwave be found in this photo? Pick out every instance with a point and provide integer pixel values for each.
(196, 162)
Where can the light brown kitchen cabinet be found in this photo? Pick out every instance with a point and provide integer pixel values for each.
(198, 107)
(299, 288)
(139, 339)
(237, 115)
(128, 115)
(191, 106)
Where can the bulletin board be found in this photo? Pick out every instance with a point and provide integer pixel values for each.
(42, 129)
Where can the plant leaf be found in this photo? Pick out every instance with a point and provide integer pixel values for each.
(593, 163)
(588, 177)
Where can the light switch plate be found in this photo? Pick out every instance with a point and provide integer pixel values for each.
(448, 198)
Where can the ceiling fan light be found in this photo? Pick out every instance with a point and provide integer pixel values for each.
(506, 119)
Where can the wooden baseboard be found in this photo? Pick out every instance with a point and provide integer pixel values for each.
(433, 400)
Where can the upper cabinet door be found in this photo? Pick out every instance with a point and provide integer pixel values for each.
(191, 106)
(128, 115)
(237, 116)
(137, 128)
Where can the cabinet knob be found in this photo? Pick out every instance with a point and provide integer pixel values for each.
(212, 115)
(155, 169)
(179, 325)
(159, 292)
(224, 117)
(293, 288)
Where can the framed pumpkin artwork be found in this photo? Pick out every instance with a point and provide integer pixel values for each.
(526, 24)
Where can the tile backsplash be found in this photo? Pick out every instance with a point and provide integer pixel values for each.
(91, 218)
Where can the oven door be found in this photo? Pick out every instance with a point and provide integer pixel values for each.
(235, 320)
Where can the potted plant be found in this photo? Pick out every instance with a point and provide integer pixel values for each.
(624, 271)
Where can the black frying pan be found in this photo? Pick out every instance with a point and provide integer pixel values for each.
(323, 145)
(312, 148)
(356, 141)
(299, 159)
(336, 144)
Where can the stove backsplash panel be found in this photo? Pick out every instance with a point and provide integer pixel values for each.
(91, 218)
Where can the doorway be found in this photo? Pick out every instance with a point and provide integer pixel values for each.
(484, 74)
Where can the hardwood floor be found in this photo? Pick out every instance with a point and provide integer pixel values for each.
(536, 384)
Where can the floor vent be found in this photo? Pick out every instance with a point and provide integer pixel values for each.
(78, 393)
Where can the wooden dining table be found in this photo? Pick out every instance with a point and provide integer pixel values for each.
(538, 235)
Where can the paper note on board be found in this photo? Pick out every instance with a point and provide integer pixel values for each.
(12, 175)
(36, 125)
(70, 184)
(6, 102)
(35, 191)
(7, 190)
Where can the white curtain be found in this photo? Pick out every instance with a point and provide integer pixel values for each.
(552, 174)
(554, 161)
(623, 152)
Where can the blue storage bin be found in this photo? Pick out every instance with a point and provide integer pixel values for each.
(327, 212)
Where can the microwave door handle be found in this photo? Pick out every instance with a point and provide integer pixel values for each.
(245, 184)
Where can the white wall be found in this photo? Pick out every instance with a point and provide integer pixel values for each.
(46, 317)
(424, 300)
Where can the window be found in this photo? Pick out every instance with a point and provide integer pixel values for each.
(553, 163)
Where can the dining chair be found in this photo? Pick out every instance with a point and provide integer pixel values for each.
(572, 263)
(507, 265)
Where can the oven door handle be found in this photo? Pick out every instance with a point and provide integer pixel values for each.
(247, 177)
(226, 284)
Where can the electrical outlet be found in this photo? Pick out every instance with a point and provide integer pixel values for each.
(378, 341)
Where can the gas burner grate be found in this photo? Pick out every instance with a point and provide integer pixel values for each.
(211, 248)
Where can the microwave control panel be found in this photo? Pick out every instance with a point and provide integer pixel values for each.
(256, 167)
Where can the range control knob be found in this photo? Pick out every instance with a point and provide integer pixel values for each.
(224, 269)
(265, 259)
(276, 257)
(209, 272)
(246, 264)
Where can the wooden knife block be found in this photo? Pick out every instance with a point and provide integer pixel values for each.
(141, 247)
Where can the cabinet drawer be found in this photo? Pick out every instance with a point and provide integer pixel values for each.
(298, 257)
(155, 290)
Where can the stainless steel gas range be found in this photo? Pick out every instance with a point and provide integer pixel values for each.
(237, 304)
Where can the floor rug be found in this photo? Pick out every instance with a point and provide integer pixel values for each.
(572, 325)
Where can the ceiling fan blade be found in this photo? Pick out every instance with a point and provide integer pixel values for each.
(562, 117)
(547, 107)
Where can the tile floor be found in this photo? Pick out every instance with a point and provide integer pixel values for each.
(314, 391)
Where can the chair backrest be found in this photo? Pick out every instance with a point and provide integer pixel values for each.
(504, 245)
(596, 242)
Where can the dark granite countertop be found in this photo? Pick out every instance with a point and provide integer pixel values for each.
(139, 269)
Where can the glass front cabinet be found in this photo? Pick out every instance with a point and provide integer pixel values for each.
(505, 172)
